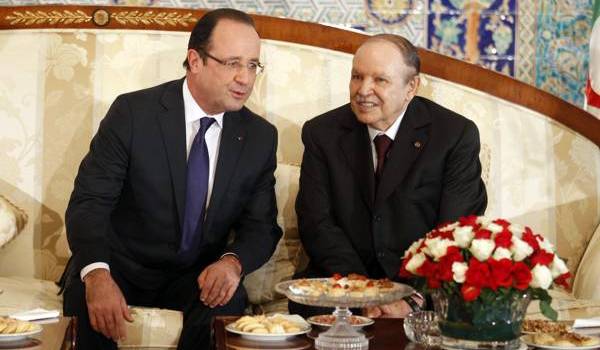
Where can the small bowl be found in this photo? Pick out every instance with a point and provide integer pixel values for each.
(422, 327)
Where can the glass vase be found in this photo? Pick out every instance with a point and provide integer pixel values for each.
(490, 322)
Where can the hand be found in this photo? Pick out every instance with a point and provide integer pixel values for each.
(398, 309)
(106, 305)
(219, 280)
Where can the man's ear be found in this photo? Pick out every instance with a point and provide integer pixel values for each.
(194, 60)
(413, 86)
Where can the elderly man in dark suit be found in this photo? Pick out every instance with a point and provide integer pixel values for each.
(171, 172)
(380, 172)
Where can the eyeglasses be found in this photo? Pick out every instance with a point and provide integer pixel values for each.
(235, 64)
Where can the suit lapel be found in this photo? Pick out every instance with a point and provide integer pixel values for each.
(356, 147)
(172, 125)
(411, 139)
(230, 149)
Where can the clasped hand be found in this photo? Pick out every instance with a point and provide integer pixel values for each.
(219, 281)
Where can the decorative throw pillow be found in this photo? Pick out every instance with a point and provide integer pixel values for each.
(12, 220)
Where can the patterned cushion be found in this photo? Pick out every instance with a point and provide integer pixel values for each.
(12, 220)
(587, 279)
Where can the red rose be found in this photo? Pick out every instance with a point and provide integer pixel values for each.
(441, 234)
(443, 224)
(541, 257)
(403, 272)
(453, 254)
(529, 237)
(470, 220)
(470, 293)
(503, 239)
(478, 274)
(433, 283)
(505, 224)
(521, 275)
(483, 234)
(430, 270)
(501, 273)
(562, 280)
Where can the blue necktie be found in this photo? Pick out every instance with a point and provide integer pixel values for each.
(196, 191)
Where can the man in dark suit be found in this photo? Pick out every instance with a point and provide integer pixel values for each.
(380, 172)
(172, 170)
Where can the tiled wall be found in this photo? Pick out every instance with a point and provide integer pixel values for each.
(541, 42)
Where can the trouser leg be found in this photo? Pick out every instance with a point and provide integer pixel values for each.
(183, 294)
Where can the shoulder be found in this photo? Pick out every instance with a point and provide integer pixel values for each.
(255, 122)
(441, 117)
(152, 95)
(332, 120)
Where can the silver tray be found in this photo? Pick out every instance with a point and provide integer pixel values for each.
(398, 292)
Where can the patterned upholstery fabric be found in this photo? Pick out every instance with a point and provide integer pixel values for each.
(61, 82)
(12, 220)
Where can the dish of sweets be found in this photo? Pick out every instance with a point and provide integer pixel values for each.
(12, 330)
(555, 336)
(354, 285)
(329, 320)
(353, 290)
(269, 328)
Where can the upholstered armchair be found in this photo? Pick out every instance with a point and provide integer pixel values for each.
(540, 156)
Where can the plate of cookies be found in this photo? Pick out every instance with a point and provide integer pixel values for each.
(14, 330)
(269, 328)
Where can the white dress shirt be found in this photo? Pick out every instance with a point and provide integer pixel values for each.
(193, 113)
(390, 132)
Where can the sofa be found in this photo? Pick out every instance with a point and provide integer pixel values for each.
(540, 155)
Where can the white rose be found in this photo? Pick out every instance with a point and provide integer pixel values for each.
(483, 220)
(463, 236)
(437, 247)
(413, 248)
(459, 271)
(558, 267)
(520, 249)
(482, 248)
(545, 245)
(541, 277)
(415, 262)
(502, 253)
(516, 230)
(494, 228)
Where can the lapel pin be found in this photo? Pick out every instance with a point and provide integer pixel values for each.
(417, 144)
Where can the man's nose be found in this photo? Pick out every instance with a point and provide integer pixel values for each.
(242, 76)
(365, 88)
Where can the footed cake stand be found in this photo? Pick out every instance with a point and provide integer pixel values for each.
(342, 335)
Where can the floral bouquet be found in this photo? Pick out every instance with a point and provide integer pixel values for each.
(490, 268)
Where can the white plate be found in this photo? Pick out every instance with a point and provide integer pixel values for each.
(527, 340)
(20, 336)
(273, 337)
(365, 321)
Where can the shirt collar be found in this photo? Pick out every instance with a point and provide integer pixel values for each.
(193, 111)
(390, 132)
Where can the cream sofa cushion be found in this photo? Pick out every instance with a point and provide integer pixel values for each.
(12, 220)
(587, 279)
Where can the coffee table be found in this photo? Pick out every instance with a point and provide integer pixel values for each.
(384, 334)
(55, 336)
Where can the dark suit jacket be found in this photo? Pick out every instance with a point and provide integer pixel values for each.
(431, 175)
(128, 202)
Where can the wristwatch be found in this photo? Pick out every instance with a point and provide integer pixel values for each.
(412, 303)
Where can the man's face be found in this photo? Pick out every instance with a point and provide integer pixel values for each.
(218, 88)
(379, 90)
